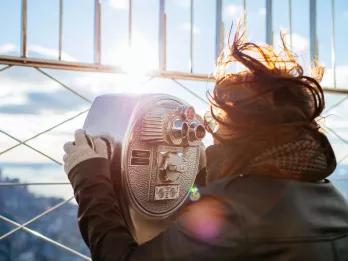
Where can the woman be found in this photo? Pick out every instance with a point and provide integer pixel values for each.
(266, 196)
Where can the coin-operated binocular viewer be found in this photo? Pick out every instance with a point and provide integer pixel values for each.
(161, 150)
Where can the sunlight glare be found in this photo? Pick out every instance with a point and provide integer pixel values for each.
(139, 59)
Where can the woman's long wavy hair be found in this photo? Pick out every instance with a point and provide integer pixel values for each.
(267, 102)
(270, 93)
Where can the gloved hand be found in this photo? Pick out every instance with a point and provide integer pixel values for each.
(86, 147)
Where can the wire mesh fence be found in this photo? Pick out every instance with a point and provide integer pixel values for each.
(46, 145)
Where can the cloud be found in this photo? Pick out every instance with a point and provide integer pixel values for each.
(39, 102)
(299, 42)
(345, 14)
(187, 27)
(17, 81)
(183, 3)
(30, 102)
(49, 52)
(341, 77)
(117, 4)
(261, 12)
(8, 48)
(232, 10)
(16, 99)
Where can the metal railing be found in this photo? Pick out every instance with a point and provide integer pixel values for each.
(98, 66)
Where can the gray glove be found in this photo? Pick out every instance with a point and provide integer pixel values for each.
(86, 147)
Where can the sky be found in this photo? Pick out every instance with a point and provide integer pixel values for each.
(31, 103)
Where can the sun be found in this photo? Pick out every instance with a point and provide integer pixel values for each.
(139, 58)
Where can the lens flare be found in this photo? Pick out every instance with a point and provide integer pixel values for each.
(204, 219)
(194, 194)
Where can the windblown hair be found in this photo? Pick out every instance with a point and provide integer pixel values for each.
(270, 92)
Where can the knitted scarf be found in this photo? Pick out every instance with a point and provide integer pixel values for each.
(309, 157)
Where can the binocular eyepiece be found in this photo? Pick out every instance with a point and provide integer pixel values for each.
(190, 131)
(179, 128)
(188, 128)
(196, 131)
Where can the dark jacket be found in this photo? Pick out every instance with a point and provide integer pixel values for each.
(235, 218)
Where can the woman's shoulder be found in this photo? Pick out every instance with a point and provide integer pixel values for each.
(238, 184)
(282, 208)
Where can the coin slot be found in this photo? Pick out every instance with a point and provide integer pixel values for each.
(141, 153)
(140, 161)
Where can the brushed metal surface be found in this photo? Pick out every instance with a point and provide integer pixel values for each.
(143, 125)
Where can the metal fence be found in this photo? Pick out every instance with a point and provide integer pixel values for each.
(162, 71)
